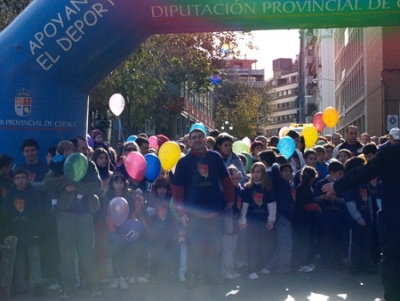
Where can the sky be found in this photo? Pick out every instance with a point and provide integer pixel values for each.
(272, 44)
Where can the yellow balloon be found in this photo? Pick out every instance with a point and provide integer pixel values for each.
(310, 135)
(169, 154)
(330, 117)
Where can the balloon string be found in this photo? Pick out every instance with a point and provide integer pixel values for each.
(120, 132)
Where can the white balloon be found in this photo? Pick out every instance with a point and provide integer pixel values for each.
(247, 141)
(116, 104)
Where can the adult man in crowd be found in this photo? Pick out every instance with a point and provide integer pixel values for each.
(386, 165)
(351, 143)
(393, 138)
(37, 169)
(336, 139)
(143, 144)
(76, 203)
(196, 188)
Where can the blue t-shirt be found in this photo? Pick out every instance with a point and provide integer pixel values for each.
(36, 172)
(258, 200)
(360, 196)
(200, 177)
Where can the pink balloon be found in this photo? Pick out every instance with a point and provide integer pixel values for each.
(135, 165)
(153, 142)
(318, 122)
(118, 210)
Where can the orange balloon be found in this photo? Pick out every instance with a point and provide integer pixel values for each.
(330, 117)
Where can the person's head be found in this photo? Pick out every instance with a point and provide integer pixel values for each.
(310, 157)
(258, 175)
(351, 134)
(128, 147)
(365, 138)
(308, 175)
(97, 136)
(263, 139)
(320, 150)
(143, 144)
(30, 148)
(383, 139)
(328, 137)
(336, 139)
(235, 174)
(295, 136)
(51, 152)
(328, 151)
(353, 163)
(20, 178)
(210, 142)
(243, 159)
(214, 134)
(223, 144)
(5, 164)
(161, 187)
(101, 158)
(118, 183)
(267, 157)
(80, 145)
(120, 143)
(394, 135)
(343, 155)
(375, 140)
(65, 148)
(335, 170)
(185, 141)
(274, 141)
(256, 147)
(286, 170)
(281, 159)
(369, 151)
(197, 137)
(301, 145)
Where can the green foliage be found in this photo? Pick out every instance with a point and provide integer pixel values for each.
(9, 9)
(244, 106)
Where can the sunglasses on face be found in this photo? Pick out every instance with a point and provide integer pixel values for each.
(131, 149)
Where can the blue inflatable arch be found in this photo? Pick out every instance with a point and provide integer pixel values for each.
(55, 52)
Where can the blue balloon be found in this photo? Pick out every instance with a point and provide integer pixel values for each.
(130, 230)
(131, 138)
(153, 168)
(286, 146)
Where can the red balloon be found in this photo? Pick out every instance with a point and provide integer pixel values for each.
(318, 122)
(135, 165)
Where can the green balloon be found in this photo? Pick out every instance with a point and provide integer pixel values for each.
(249, 161)
(75, 167)
(240, 147)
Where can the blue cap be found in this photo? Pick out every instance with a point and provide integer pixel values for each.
(198, 127)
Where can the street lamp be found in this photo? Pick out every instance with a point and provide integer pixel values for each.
(226, 125)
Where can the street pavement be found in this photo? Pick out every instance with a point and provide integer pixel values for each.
(319, 285)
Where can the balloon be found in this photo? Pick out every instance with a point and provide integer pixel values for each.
(153, 142)
(130, 230)
(135, 165)
(173, 168)
(249, 162)
(131, 138)
(118, 210)
(310, 135)
(240, 147)
(153, 167)
(75, 167)
(169, 154)
(283, 131)
(247, 141)
(90, 141)
(116, 104)
(286, 146)
(318, 122)
(330, 117)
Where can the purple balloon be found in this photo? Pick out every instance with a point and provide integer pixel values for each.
(130, 230)
(90, 141)
(118, 210)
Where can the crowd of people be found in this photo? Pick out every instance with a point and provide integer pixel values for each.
(207, 218)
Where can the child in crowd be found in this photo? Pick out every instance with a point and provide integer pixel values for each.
(332, 218)
(98, 141)
(258, 215)
(328, 151)
(22, 208)
(230, 238)
(305, 222)
(320, 165)
(310, 159)
(64, 149)
(121, 254)
(162, 233)
(282, 177)
(359, 221)
(343, 155)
